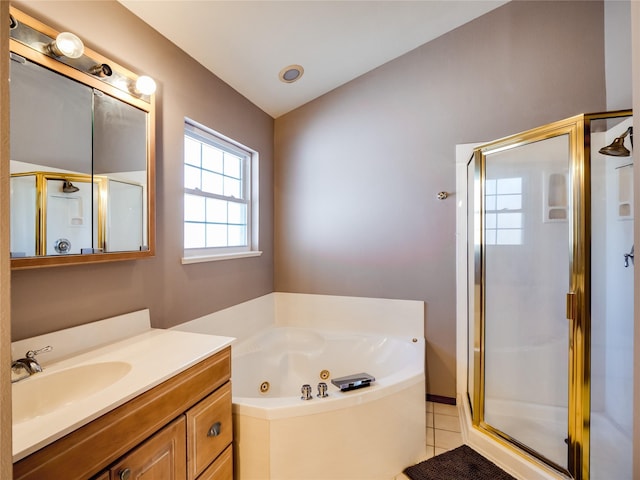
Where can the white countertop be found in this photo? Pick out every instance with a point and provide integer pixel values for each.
(154, 355)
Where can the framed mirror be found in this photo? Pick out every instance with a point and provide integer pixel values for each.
(82, 154)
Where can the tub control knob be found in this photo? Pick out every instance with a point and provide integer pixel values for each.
(306, 392)
(322, 390)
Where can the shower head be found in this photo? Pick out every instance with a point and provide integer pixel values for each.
(617, 148)
(68, 187)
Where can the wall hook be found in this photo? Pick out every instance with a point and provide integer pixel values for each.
(442, 195)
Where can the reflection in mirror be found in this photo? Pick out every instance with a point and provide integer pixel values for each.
(82, 166)
(23, 199)
(119, 154)
(50, 120)
(68, 213)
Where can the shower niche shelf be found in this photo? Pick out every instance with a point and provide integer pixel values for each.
(625, 192)
(556, 195)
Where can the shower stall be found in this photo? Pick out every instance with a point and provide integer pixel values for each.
(546, 251)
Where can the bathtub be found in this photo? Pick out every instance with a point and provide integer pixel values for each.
(368, 433)
(285, 340)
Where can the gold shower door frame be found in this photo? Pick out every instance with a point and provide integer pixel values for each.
(578, 129)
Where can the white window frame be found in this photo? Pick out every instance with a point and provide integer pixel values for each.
(208, 136)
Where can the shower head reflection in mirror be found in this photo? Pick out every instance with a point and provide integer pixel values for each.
(68, 187)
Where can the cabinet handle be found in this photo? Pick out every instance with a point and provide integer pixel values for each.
(214, 431)
(125, 474)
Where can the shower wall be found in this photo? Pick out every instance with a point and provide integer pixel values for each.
(612, 309)
(612, 285)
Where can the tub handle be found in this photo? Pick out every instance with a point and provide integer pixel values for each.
(215, 429)
(306, 392)
(322, 390)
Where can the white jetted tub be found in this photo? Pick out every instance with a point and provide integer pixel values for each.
(369, 433)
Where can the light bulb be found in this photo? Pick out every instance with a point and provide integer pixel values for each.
(145, 85)
(68, 45)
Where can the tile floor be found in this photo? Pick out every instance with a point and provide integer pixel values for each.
(443, 430)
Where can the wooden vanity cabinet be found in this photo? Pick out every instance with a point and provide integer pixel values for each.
(181, 429)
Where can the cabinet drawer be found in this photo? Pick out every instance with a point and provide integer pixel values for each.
(209, 430)
(221, 469)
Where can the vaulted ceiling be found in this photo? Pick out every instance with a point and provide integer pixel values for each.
(248, 43)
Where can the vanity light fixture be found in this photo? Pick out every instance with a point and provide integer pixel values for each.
(101, 70)
(291, 74)
(69, 50)
(67, 45)
(145, 85)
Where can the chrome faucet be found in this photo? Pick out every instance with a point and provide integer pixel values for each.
(306, 392)
(322, 390)
(27, 366)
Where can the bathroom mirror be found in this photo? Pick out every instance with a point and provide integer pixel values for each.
(82, 155)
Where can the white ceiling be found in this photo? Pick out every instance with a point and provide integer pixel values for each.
(247, 43)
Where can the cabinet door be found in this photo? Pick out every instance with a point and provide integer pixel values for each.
(162, 457)
(209, 430)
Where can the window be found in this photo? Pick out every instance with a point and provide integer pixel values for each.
(503, 211)
(217, 196)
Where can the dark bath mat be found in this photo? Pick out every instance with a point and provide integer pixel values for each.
(463, 463)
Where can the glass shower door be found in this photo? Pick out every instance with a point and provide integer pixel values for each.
(526, 230)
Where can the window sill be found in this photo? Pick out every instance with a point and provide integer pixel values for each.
(223, 256)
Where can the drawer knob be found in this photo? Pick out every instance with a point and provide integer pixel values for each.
(125, 474)
(214, 431)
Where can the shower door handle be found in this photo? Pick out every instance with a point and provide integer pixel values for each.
(571, 306)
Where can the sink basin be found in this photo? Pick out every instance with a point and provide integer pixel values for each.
(43, 393)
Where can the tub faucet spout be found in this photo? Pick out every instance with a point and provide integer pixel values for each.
(306, 392)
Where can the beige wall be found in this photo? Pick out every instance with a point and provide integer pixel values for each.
(358, 170)
(50, 299)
